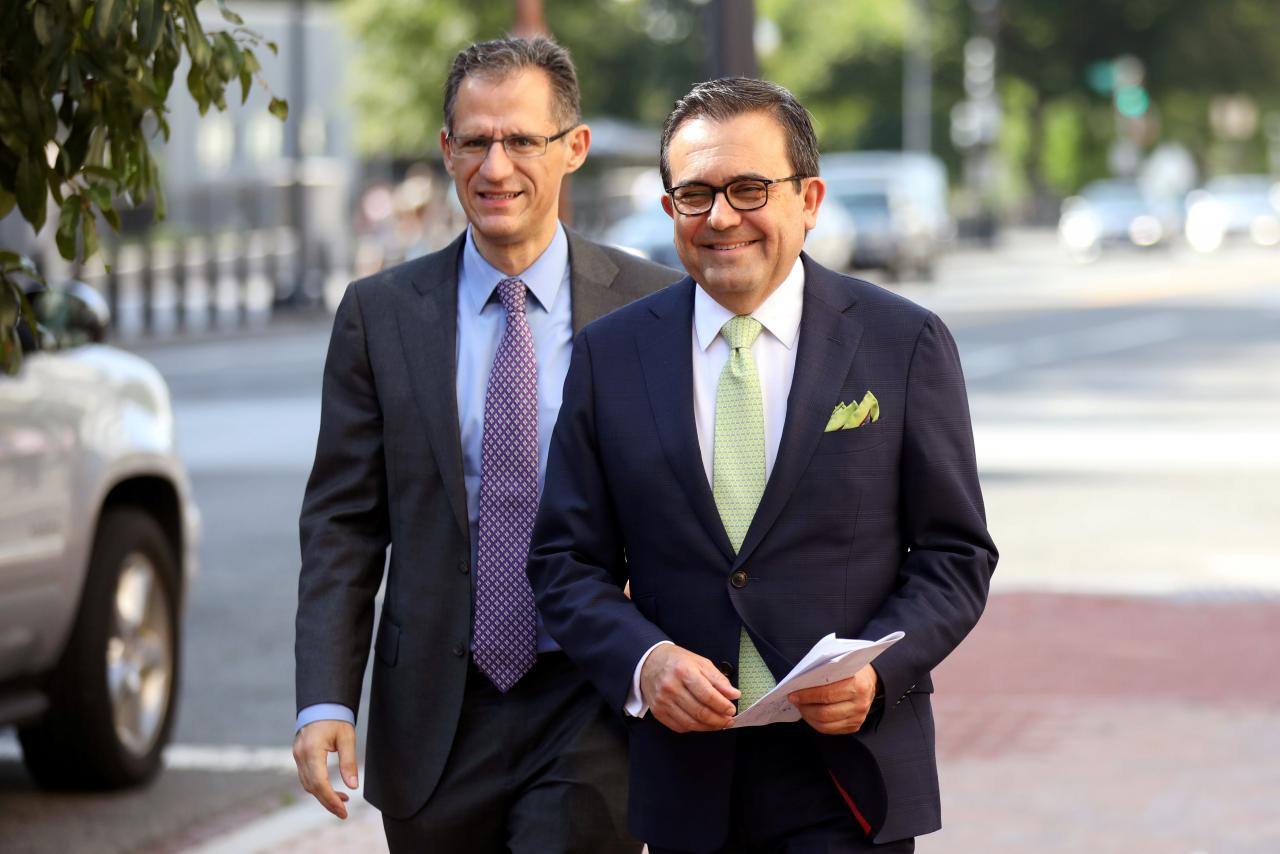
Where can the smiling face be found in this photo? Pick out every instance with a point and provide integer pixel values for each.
(511, 203)
(740, 257)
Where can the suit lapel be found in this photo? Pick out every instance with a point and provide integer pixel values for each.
(829, 337)
(428, 336)
(666, 356)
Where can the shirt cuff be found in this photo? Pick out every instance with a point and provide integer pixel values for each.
(324, 712)
(635, 706)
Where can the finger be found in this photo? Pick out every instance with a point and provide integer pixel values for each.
(713, 694)
(829, 711)
(700, 699)
(675, 719)
(316, 780)
(347, 763)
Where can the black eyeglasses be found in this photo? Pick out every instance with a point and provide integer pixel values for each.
(745, 194)
(519, 145)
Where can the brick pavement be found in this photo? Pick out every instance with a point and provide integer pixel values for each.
(1079, 723)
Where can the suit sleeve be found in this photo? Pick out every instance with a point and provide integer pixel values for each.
(577, 563)
(943, 582)
(344, 527)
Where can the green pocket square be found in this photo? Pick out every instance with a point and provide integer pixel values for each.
(848, 417)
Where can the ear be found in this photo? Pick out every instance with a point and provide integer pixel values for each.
(578, 141)
(814, 192)
(444, 149)
(666, 206)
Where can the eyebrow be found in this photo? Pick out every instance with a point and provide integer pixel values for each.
(747, 177)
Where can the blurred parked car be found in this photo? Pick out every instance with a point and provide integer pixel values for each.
(1115, 212)
(98, 537)
(898, 201)
(649, 234)
(1234, 206)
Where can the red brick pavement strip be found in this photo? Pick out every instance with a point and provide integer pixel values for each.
(1091, 724)
(1112, 724)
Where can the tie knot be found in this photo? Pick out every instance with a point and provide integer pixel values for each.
(511, 292)
(741, 331)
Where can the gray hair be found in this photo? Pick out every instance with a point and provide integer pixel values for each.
(500, 58)
(730, 97)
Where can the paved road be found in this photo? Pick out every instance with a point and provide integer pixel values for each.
(1125, 414)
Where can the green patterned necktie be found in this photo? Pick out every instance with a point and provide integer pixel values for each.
(738, 474)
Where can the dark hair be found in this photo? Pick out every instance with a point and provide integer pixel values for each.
(729, 97)
(499, 58)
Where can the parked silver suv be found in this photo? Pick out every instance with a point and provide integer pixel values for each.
(98, 537)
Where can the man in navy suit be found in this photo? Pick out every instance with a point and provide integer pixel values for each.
(769, 452)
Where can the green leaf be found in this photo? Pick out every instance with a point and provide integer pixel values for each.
(103, 173)
(195, 85)
(107, 17)
(43, 24)
(274, 48)
(32, 195)
(112, 217)
(90, 226)
(100, 196)
(279, 108)
(68, 225)
(228, 15)
(7, 201)
(150, 25)
(246, 82)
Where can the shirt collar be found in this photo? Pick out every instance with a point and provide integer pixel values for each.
(479, 279)
(779, 314)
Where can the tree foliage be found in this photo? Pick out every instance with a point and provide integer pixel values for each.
(83, 87)
(634, 58)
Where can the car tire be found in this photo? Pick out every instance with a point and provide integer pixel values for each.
(112, 697)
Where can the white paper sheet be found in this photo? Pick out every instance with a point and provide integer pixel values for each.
(830, 660)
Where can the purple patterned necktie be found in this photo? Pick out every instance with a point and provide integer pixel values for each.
(506, 624)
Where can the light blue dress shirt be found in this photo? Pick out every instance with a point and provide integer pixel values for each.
(481, 324)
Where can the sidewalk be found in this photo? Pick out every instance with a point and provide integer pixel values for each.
(1066, 723)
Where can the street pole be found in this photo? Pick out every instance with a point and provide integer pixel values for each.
(730, 27)
(297, 191)
(917, 83)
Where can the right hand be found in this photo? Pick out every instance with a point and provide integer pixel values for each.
(311, 748)
(686, 692)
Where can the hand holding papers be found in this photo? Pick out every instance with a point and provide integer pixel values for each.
(830, 660)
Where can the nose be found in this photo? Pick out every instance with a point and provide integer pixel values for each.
(722, 214)
(496, 164)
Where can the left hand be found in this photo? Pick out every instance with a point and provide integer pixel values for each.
(840, 707)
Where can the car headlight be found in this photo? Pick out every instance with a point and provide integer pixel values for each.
(1265, 230)
(1079, 230)
(1145, 230)
(1206, 225)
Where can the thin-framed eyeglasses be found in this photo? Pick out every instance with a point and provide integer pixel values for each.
(517, 146)
(744, 194)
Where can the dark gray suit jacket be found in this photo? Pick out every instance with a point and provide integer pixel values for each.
(388, 471)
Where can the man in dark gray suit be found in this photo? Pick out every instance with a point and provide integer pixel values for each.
(441, 388)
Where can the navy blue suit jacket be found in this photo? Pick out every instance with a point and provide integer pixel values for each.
(860, 532)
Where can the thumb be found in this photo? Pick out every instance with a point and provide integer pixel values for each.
(347, 763)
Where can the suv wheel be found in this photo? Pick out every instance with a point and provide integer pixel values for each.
(113, 693)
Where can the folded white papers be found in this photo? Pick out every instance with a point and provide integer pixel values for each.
(830, 660)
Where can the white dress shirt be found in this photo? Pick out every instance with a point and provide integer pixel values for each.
(774, 352)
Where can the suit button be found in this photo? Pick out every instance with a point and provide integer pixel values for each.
(459, 650)
(464, 567)
(739, 578)
(726, 668)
